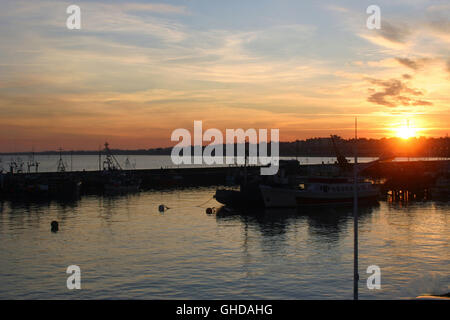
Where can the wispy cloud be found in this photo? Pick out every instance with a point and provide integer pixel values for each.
(151, 7)
(395, 32)
(144, 68)
(395, 93)
(413, 64)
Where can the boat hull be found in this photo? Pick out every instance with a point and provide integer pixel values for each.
(290, 198)
(440, 193)
(247, 198)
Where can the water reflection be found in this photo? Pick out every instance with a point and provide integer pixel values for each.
(327, 223)
(110, 203)
(132, 251)
(21, 214)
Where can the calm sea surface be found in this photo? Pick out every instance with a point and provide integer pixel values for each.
(127, 249)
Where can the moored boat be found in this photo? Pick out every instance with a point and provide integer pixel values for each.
(318, 191)
(247, 196)
(121, 183)
(441, 189)
(249, 193)
(114, 178)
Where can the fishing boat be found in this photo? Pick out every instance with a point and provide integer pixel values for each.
(121, 183)
(318, 191)
(64, 186)
(335, 188)
(40, 186)
(17, 183)
(441, 189)
(249, 193)
(114, 178)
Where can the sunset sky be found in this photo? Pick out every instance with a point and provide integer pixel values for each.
(138, 70)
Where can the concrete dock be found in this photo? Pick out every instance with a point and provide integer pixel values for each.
(414, 176)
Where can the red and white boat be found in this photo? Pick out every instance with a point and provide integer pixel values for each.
(318, 191)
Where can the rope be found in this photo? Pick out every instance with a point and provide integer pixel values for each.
(196, 206)
(200, 205)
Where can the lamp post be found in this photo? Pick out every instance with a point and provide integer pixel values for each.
(355, 217)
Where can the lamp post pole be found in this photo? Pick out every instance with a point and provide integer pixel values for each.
(355, 217)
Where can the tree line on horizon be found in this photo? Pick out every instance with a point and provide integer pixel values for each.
(318, 147)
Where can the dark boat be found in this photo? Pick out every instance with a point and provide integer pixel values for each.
(64, 186)
(40, 186)
(441, 189)
(249, 194)
(114, 179)
(120, 182)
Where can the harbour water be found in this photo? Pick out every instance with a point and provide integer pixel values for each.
(127, 249)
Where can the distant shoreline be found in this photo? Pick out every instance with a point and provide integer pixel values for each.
(314, 147)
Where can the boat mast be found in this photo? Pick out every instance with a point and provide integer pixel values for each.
(61, 166)
(408, 150)
(99, 158)
(111, 161)
(245, 163)
(355, 216)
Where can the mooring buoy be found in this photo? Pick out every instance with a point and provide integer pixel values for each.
(54, 226)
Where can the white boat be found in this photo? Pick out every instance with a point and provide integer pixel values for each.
(318, 191)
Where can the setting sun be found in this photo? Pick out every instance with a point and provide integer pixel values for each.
(406, 129)
(406, 132)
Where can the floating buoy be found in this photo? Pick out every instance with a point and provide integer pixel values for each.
(55, 226)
